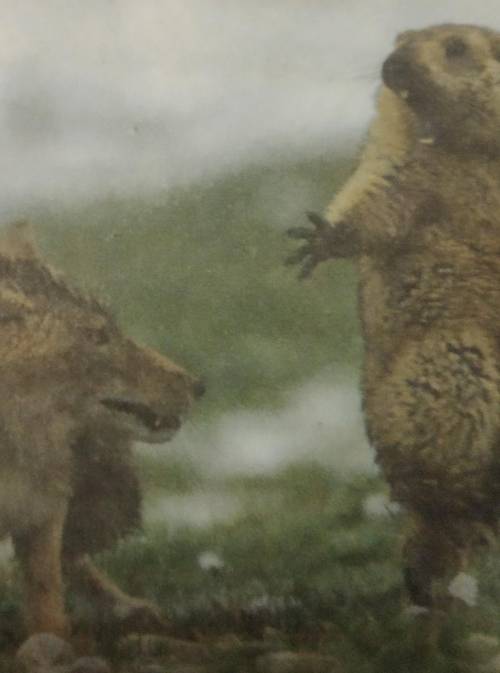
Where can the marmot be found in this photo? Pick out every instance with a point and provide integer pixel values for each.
(421, 216)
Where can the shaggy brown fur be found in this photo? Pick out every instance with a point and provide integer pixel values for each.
(75, 393)
(421, 216)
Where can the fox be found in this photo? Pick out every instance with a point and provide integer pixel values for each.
(75, 394)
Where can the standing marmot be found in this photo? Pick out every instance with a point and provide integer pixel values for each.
(421, 215)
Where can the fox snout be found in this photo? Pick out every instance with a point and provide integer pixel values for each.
(151, 395)
(199, 388)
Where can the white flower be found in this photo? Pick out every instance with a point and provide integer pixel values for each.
(465, 587)
(210, 561)
(415, 611)
(378, 505)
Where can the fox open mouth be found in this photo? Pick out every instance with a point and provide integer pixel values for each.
(164, 426)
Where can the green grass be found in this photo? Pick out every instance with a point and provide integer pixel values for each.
(302, 557)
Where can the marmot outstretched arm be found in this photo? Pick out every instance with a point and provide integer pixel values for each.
(341, 233)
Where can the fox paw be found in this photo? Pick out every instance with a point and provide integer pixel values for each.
(136, 615)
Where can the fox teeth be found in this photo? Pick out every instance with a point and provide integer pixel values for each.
(404, 94)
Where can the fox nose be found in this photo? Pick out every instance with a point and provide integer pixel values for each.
(199, 388)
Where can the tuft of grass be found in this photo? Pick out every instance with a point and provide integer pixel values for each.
(303, 557)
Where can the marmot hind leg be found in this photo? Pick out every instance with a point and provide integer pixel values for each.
(433, 419)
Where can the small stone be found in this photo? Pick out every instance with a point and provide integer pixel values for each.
(184, 668)
(272, 634)
(493, 666)
(149, 668)
(228, 641)
(167, 667)
(481, 646)
(137, 645)
(90, 665)
(136, 615)
(42, 651)
(247, 649)
(297, 662)
(50, 669)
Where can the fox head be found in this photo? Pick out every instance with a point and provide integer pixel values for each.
(59, 343)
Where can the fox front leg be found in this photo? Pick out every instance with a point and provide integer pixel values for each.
(39, 553)
(126, 614)
(321, 242)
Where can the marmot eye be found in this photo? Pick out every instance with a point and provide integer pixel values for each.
(455, 47)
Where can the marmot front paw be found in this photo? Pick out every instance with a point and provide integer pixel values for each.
(321, 242)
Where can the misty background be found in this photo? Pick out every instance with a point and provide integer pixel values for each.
(124, 96)
(161, 148)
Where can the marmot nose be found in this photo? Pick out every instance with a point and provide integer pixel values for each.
(396, 71)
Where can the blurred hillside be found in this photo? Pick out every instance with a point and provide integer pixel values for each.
(198, 274)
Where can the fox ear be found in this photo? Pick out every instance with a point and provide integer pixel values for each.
(17, 241)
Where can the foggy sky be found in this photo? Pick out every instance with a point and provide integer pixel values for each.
(125, 96)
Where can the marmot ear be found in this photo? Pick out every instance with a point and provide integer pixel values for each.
(405, 35)
(17, 241)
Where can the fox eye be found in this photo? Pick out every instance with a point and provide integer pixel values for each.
(99, 336)
(455, 47)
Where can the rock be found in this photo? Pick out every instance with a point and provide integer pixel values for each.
(247, 649)
(493, 666)
(184, 668)
(44, 651)
(135, 615)
(481, 647)
(297, 662)
(90, 665)
(228, 641)
(168, 668)
(273, 635)
(149, 668)
(137, 645)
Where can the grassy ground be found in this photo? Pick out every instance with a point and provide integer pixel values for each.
(308, 557)
(308, 554)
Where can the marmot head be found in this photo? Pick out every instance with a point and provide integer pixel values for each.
(449, 77)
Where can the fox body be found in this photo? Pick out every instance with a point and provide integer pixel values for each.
(75, 394)
(421, 216)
